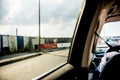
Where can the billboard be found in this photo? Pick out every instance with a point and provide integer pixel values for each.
(28, 45)
(13, 43)
(20, 43)
(5, 40)
(46, 46)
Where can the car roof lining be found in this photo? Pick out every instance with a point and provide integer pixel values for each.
(114, 12)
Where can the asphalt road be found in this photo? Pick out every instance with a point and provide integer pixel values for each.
(34, 67)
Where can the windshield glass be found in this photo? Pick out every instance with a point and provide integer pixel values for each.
(41, 29)
(111, 34)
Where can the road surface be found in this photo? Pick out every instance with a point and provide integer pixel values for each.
(34, 67)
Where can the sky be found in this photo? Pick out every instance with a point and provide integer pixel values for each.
(111, 29)
(57, 18)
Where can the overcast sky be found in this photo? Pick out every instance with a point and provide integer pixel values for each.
(58, 17)
(111, 29)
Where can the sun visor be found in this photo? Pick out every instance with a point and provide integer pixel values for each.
(113, 18)
(114, 12)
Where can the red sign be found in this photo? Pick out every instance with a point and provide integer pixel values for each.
(45, 46)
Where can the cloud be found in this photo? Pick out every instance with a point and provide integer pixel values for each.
(58, 17)
(111, 29)
(9, 9)
(19, 12)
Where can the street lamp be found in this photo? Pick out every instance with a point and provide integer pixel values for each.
(39, 27)
(16, 32)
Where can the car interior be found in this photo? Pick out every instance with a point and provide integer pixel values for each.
(84, 54)
(80, 65)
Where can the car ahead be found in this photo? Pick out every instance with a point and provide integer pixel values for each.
(92, 18)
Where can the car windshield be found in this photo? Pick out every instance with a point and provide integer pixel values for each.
(111, 34)
(41, 28)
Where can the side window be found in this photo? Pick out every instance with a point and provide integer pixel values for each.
(41, 28)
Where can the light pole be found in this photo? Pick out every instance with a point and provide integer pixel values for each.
(39, 27)
(16, 32)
